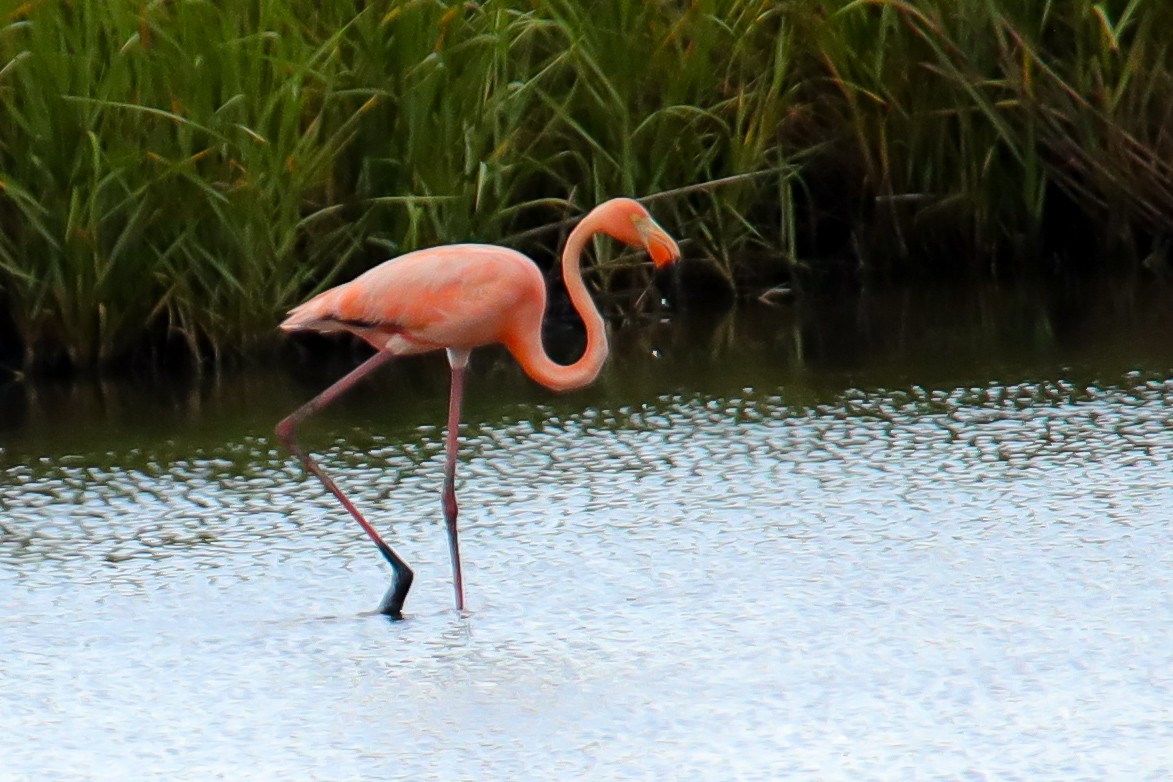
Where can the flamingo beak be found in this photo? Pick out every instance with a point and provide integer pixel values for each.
(660, 246)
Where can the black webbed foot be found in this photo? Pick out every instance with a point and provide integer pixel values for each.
(391, 605)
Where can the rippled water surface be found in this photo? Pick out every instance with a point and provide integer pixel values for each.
(906, 536)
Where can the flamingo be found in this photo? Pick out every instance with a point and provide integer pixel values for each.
(458, 297)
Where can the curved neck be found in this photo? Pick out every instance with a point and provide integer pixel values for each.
(532, 354)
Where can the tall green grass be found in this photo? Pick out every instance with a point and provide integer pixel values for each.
(165, 164)
(971, 120)
(175, 174)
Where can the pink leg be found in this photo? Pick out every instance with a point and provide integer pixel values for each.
(458, 360)
(392, 604)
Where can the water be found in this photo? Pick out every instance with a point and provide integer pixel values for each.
(917, 535)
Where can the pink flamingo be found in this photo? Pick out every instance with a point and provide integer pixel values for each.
(458, 297)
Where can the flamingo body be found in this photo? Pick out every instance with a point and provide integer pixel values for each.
(458, 296)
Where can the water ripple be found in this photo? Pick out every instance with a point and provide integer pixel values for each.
(939, 583)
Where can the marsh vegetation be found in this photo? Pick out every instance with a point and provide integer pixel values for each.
(173, 175)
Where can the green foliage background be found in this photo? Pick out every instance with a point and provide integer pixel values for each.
(179, 172)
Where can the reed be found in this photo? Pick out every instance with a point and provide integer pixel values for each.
(175, 174)
(983, 130)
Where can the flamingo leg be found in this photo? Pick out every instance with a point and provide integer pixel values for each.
(392, 603)
(459, 361)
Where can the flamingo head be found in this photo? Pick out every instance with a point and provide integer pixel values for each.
(628, 221)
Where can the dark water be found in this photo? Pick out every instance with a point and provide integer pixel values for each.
(906, 535)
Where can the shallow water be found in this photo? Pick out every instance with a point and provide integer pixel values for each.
(915, 535)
